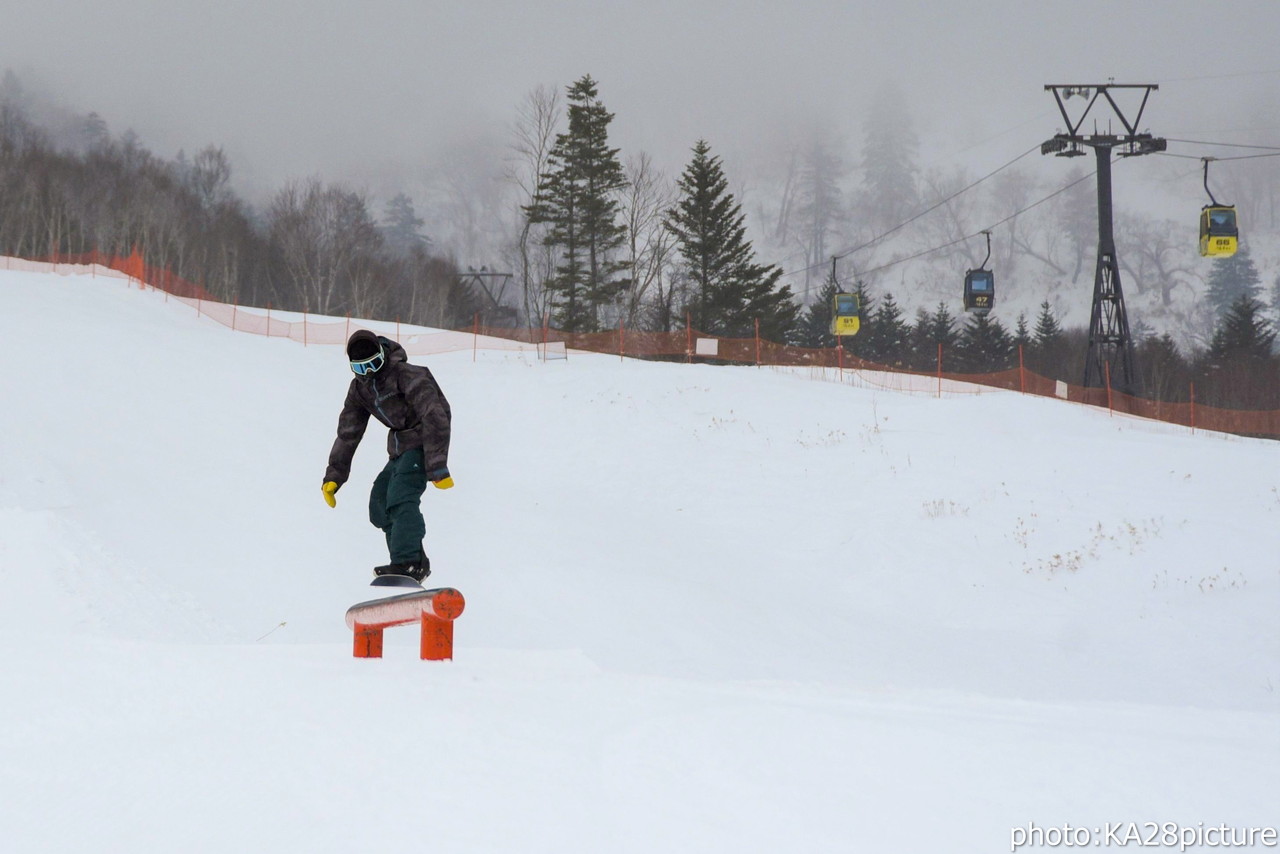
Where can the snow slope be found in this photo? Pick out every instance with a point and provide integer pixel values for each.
(709, 609)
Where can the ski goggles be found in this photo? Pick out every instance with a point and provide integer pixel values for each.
(369, 365)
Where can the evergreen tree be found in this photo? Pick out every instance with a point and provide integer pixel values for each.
(889, 160)
(93, 132)
(730, 290)
(813, 329)
(1230, 279)
(942, 327)
(932, 330)
(1047, 354)
(402, 227)
(984, 346)
(923, 352)
(1165, 374)
(1048, 330)
(929, 331)
(578, 198)
(1243, 333)
(1021, 333)
(889, 339)
(818, 202)
(1240, 369)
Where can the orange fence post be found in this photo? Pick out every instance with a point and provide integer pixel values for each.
(348, 335)
(235, 307)
(1193, 407)
(939, 369)
(688, 328)
(757, 342)
(432, 610)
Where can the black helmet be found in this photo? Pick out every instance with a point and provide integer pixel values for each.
(365, 352)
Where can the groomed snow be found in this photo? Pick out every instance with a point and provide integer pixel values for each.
(708, 609)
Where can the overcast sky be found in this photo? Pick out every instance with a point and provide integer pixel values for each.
(365, 90)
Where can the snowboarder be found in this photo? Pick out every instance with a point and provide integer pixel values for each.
(406, 399)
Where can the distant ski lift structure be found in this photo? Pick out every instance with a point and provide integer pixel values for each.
(980, 286)
(1219, 232)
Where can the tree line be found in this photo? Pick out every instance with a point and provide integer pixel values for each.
(315, 247)
(1239, 367)
(600, 242)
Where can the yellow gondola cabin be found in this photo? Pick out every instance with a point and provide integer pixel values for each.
(846, 317)
(1219, 235)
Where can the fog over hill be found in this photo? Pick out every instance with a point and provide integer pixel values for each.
(422, 98)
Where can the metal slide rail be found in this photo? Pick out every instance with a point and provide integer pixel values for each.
(434, 610)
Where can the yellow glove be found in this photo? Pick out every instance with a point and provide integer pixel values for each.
(440, 478)
(329, 489)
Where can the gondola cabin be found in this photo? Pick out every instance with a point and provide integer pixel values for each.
(846, 315)
(1219, 236)
(979, 291)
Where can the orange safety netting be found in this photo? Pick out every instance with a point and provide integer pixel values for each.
(688, 344)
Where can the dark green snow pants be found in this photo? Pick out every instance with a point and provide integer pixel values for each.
(394, 505)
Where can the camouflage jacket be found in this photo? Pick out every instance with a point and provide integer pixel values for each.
(406, 400)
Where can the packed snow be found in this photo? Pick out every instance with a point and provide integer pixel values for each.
(708, 608)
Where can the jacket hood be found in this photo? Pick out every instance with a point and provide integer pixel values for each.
(395, 353)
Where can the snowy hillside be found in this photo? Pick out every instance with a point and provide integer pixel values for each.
(708, 609)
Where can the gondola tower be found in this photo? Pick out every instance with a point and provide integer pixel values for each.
(1110, 355)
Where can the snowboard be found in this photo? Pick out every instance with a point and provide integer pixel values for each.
(395, 581)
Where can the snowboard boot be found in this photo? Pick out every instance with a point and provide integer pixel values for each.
(420, 570)
(417, 569)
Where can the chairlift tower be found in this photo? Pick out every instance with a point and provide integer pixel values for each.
(478, 278)
(1110, 355)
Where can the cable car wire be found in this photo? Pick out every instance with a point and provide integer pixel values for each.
(1224, 144)
(917, 216)
(1218, 159)
(846, 253)
(958, 240)
(935, 206)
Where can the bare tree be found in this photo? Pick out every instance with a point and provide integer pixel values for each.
(649, 245)
(328, 242)
(954, 220)
(819, 205)
(533, 136)
(1154, 254)
(208, 177)
(1077, 214)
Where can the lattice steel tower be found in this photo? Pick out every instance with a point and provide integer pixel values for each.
(1110, 347)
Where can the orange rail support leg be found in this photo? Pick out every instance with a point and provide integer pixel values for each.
(433, 610)
(368, 641)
